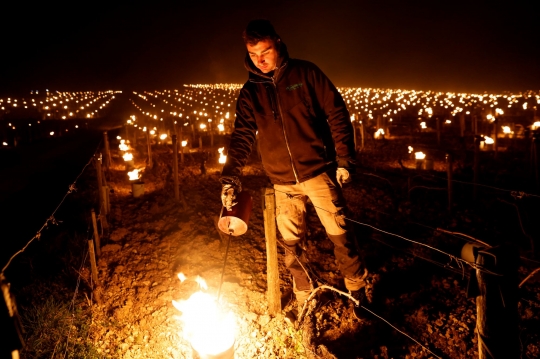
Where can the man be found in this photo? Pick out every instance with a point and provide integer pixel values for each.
(306, 145)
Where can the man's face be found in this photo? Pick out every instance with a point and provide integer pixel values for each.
(264, 55)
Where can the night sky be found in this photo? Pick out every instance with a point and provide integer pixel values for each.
(423, 45)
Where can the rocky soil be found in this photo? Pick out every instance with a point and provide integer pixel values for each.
(423, 295)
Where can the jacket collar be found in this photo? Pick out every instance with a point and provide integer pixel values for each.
(256, 75)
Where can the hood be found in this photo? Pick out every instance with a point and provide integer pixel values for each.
(282, 60)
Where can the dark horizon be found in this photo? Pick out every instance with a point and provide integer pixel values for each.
(420, 45)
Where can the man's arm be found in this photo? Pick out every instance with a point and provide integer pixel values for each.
(242, 138)
(337, 116)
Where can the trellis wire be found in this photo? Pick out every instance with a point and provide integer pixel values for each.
(51, 218)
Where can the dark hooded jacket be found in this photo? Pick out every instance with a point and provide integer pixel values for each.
(302, 122)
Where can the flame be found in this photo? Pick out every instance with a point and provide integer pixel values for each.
(123, 146)
(127, 156)
(536, 125)
(506, 129)
(163, 136)
(184, 143)
(210, 330)
(134, 175)
(222, 157)
(419, 155)
(379, 133)
(423, 125)
(411, 149)
(182, 277)
(489, 140)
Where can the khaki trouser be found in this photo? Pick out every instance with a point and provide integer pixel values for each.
(325, 194)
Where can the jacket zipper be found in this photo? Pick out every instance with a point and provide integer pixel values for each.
(284, 133)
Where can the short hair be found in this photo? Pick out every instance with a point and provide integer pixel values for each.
(258, 30)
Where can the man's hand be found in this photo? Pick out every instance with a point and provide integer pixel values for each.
(229, 191)
(343, 176)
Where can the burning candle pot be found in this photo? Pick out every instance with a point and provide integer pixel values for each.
(206, 326)
(420, 159)
(128, 161)
(222, 158)
(487, 144)
(137, 186)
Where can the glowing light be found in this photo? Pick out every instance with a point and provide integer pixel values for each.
(423, 125)
(490, 118)
(4, 143)
(221, 128)
(210, 330)
(536, 125)
(182, 277)
(152, 132)
(419, 155)
(488, 140)
(202, 126)
(128, 156)
(51, 133)
(222, 157)
(134, 175)
(123, 145)
(163, 136)
(506, 129)
(184, 143)
(379, 133)
(411, 149)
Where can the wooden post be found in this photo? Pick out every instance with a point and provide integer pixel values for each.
(200, 143)
(96, 233)
(273, 294)
(181, 146)
(535, 158)
(461, 125)
(438, 131)
(99, 180)
(449, 162)
(93, 265)
(108, 158)
(106, 204)
(175, 168)
(149, 151)
(495, 136)
(95, 287)
(497, 302)
(476, 160)
(354, 137)
(362, 134)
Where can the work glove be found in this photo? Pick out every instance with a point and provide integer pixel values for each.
(343, 173)
(343, 176)
(231, 187)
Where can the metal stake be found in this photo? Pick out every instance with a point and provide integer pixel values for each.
(224, 263)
